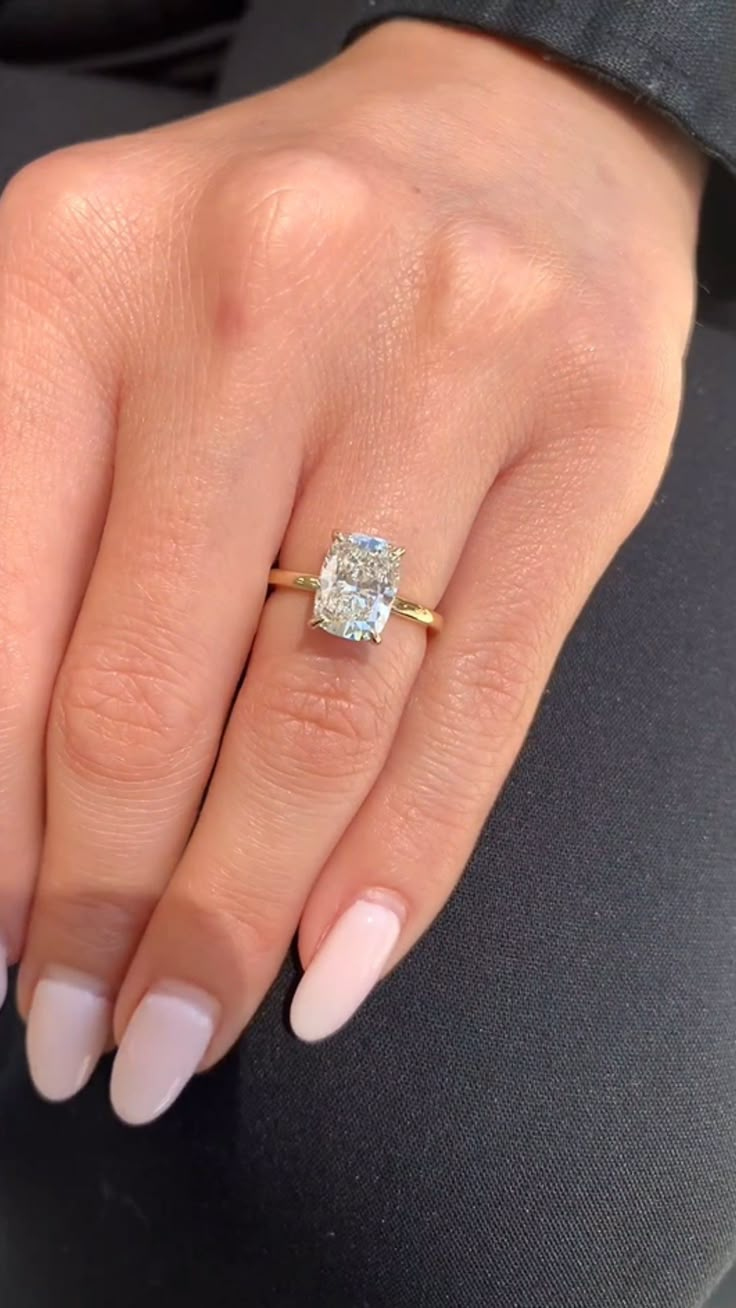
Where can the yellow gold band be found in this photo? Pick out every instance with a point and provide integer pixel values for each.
(403, 608)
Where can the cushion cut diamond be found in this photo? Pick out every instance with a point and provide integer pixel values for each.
(357, 585)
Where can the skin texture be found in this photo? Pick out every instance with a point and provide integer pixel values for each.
(440, 290)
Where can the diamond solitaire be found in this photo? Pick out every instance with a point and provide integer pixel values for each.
(358, 584)
(357, 589)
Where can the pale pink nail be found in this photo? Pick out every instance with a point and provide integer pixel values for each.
(345, 969)
(163, 1045)
(68, 1027)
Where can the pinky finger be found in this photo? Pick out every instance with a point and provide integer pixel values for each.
(536, 551)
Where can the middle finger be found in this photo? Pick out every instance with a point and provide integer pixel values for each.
(145, 687)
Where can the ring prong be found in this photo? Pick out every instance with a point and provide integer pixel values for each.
(316, 623)
(337, 536)
(375, 638)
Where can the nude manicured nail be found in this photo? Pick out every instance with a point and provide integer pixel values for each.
(68, 1027)
(163, 1045)
(346, 967)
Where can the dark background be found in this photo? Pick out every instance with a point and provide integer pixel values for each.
(539, 1109)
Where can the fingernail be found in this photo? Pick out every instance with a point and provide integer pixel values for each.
(163, 1045)
(345, 969)
(68, 1026)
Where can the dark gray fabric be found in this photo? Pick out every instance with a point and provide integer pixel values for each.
(177, 43)
(46, 30)
(83, 108)
(280, 39)
(538, 1110)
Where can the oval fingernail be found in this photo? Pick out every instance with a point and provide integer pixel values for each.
(68, 1026)
(346, 967)
(163, 1045)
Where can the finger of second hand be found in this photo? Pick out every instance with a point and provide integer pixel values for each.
(306, 739)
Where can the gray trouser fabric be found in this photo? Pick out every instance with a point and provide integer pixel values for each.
(539, 1109)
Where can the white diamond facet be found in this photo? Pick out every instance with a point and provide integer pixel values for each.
(358, 584)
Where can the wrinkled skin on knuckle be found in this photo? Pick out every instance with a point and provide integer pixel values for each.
(17, 628)
(610, 333)
(494, 683)
(47, 190)
(94, 922)
(19, 724)
(482, 286)
(418, 802)
(121, 714)
(318, 721)
(223, 912)
(472, 730)
(272, 231)
(612, 392)
(73, 228)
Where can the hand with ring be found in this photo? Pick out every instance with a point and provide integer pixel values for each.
(400, 340)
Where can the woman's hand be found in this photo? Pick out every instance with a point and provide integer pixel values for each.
(438, 290)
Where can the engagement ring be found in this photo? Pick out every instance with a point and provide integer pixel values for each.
(357, 589)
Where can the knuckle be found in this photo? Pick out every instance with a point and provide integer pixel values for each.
(316, 719)
(481, 283)
(93, 921)
(62, 219)
(472, 730)
(122, 712)
(272, 228)
(614, 389)
(495, 682)
(295, 198)
(14, 646)
(419, 803)
(253, 919)
(46, 185)
(16, 726)
(56, 195)
(620, 359)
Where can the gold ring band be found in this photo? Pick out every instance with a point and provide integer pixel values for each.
(403, 608)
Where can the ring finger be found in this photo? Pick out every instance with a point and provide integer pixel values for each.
(307, 737)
